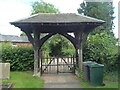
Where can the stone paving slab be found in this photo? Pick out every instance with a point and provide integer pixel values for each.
(62, 80)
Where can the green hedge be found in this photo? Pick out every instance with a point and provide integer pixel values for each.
(20, 58)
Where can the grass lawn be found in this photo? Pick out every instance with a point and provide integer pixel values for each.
(25, 80)
(110, 80)
(108, 84)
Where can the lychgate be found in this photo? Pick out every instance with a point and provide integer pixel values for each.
(63, 24)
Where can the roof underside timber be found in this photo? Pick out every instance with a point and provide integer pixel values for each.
(64, 22)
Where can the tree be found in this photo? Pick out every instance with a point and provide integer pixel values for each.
(101, 44)
(43, 7)
(99, 10)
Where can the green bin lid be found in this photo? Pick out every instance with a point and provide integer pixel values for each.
(96, 65)
(88, 62)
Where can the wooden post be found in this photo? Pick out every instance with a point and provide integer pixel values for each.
(57, 65)
(36, 51)
(41, 67)
(77, 64)
(79, 55)
(36, 44)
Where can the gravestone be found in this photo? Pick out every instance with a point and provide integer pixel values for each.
(4, 71)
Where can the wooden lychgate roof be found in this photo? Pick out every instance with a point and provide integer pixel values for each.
(63, 22)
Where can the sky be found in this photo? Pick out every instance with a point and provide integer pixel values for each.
(12, 10)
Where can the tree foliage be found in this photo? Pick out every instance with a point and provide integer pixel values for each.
(99, 10)
(101, 48)
(43, 7)
(101, 44)
(58, 45)
(22, 34)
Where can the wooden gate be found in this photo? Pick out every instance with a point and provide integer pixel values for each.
(58, 65)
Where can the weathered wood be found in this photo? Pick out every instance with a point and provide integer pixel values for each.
(41, 61)
(79, 56)
(42, 40)
(36, 51)
(30, 38)
(85, 35)
(48, 64)
(58, 65)
(70, 38)
(64, 25)
(77, 42)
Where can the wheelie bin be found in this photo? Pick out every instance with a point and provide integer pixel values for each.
(96, 74)
(86, 69)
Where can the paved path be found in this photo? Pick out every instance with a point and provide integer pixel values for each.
(62, 80)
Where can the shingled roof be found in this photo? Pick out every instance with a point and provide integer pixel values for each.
(58, 18)
(58, 23)
(13, 38)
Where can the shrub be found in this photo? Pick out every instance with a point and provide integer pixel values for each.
(101, 48)
(20, 58)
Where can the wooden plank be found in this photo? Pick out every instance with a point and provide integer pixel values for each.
(66, 62)
(57, 66)
(48, 64)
